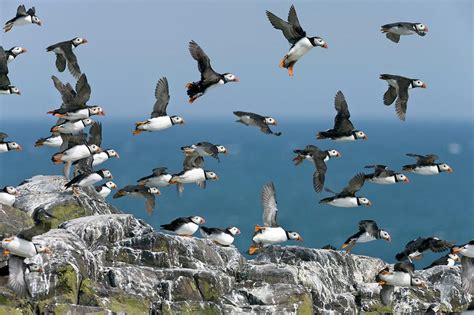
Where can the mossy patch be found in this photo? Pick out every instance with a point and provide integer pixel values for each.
(66, 212)
(87, 294)
(7, 310)
(306, 305)
(129, 305)
(190, 308)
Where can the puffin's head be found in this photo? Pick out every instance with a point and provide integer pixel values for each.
(79, 41)
(454, 257)
(229, 77)
(177, 120)
(270, 121)
(445, 168)
(417, 282)
(11, 191)
(197, 220)
(211, 175)
(14, 90)
(360, 135)
(88, 122)
(221, 149)
(294, 236)
(94, 148)
(14, 146)
(421, 27)
(415, 83)
(385, 236)
(111, 185)
(364, 201)
(112, 153)
(97, 110)
(154, 191)
(106, 174)
(318, 41)
(35, 268)
(233, 230)
(402, 178)
(334, 153)
(17, 50)
(35, 20)
(40, 248)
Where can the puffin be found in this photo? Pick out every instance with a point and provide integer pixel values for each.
(415, 248)
(22, 17)
(224, 237)
(193, 172)
(398, 87)
(95, 138)
(401, 276)
(88, 178)
(209, 78)
(159, 119)
(384, 176)
(270, 233)
(140, 191)
(6, 146)
(105, 189)
(347, 198)
(448, 260)
(393, 30)
(159, 178)
(5, 85)
(75, 153)
(8, 195)
(425, 165)
(318, 157)
(343, 129)
(72, 126)
(467, 266)
(205, 149)
(53, 141)
(65, 55)
(368, 231)
(466, 250)
(74, 100)
(14, 52)
(185, 226)
(296, 36)
(255, 120)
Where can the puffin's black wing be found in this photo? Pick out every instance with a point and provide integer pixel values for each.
(342, 123)
(209, 148)
(428, 159)
(266, 129)
(149, 202)
(436, 245)
(67, 92)
(156, 172)
(175, 224)
(83, 90)
(370, 227)
(3, 136)
(386, 294)
(292, 29)
(442, 261)
(210, 231)
(31, 11)
(95, 134)
(391, 94)
(162, 95)
(193, 161)
(71, 58)
(4, 80)
(16, 277)
(320, 174)
(269, 204)
(204, 63)
(402, 100)
(355, 184)
(77, 179)
(406, 266)
(21, 11)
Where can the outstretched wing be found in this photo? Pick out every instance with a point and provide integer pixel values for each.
(402, 100)
(342, 123)
(16, 278)
(95, 134)
(162, 96)
(21, 11)
(83, 90)
(292, 29)
(269, 204)
(428, 159)
(193, 161)
(370, 227)
(355, 184)
(319, 175)
(204, 63)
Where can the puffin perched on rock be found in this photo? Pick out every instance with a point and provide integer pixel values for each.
(343, 129)
(383, 176)
(205, 149)
(425, 165)
(393, 30)
(347, 198)
(193, 172)
(255, 120)
(415, 248)
(270, 233)
(368, 231)
(22, 17)
(14, 52)
(209, 78)
(185, 226)
(65, 55)
(8, 195)
(296, 36)
(148, 193)
(159, 118)
(159, 178)
(6, 146)
(223, 237)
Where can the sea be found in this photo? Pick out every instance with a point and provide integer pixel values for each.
(440, 206)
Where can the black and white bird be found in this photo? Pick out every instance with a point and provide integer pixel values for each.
(65, 55)
(105, 189)
(159, 119)
(209, 78)
(255, 120)
(466, 249)
(223, 237)
(6, 146)
(205, 149)
(53, 141)
(270, 233)
(72, 126)
(8, 195)
(5, 85)
(368, 231)
(88, 178)
(384, 176)
(318, 157)
(185, 226)
(393, 30)
(148, 193)
(14, 52)
(347, 198)
(296, 36)
(22, 17)
(398, 87)
(467, 267)
(448, 260)
(95, 138)
(425, 165)
(401, 276)
(75, 153)
(193, 172)
(343, 129)
(74, 101)
(415, 248)
(159, 178)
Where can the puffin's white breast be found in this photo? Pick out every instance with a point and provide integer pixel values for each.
(187, 229)
(222, 238)
(7, 199)
(157, 123)
(299, 49)
(99, 158)
(347, 202)
(90, 180)
(401, 31)
(383, 180)
(426, 170)
(270, 235)
(397, 278)
(3, 148)
(345, 139)
(194, 175)
(160, 181)
(104, 191)
(20, 247)
(364, 238)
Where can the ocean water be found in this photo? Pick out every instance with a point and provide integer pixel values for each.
(428, 206)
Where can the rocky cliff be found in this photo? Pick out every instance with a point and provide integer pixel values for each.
(103, 262)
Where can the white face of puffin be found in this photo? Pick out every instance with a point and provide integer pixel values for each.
(97, 110)
(270, 121)
(18, 50)
(94, 148)
(42, 249)
(15, 90)
(402, 178)
(212, 176)
(421, 27)
(14, 146)
(320, 42)
(361, 135)
(198, 220)
(295, 236)
(229, 77)
(79, 41)
(418, 84)
(234, 231)
(177, 120)
(12, 191)
(445, 168)
(113, 153)
(107, 174)
(221, 149)
(334, 153)
(384, 235)
(88, 122)
(36, 20)
(454, 257)
(418, 282)
(111, 185)
(364, 201)
(154, 191)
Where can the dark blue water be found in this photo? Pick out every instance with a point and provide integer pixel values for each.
(429, 205)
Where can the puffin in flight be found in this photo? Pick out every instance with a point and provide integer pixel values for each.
(347, 198)
(343, 129)
(140, 191)
(65, 55)
(5, 85)
(415, 248)
(255, 120)
(384, 176)
(193, 172)
(22, 17)
(209, 78)
(159, 119)
(6, 146)
(448, 260)
(159, 178)
(393, 30)
(368, 231)
(296, 36)
(205, 149)
(425, 165)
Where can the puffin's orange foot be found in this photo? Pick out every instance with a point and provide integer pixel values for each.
(290, 71)
(188, 85)
(258, 228)
(252, 250)
(192, 99)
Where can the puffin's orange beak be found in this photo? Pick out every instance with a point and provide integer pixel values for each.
(24, 50)
(424, 85)
(325, 45)
(236, 79)
(84, 41)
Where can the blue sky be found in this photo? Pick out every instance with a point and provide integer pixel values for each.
(132, 44)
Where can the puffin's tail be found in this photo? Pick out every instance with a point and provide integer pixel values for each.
(8, 27)
(193, 91)
(57, 158)
(321, 135)
(137, 129)
(40, 142)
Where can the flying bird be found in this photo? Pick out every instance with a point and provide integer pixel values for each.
(8, 195)
(6, 146)
(65, 55)
(425, 165)
(398, 87)
(368, 231)
(209, 78)
(223, 237)
(5, 85)
(415, 248)
(255, 120)
(159, 178)
(347, 198)
(193, 172)
(22, 17)
(448, 260)
(296, 36)
(14, 52)
(343, 129)
(393, 30)
(159, 118)
(318, 157)
(270, 233)
(72, 126)
(88, 178)
(95, 138)
(205, 149)
(53, 141)
(185, 226)
(384, 176)
(140, 191)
